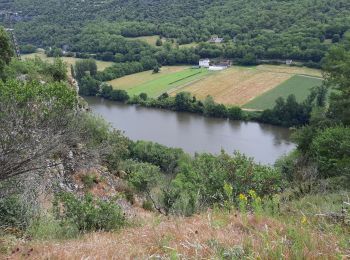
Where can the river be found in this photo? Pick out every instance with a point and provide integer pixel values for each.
(195, 133)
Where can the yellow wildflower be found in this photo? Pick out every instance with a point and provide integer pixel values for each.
(303, 220)
(252, 194)
(242, 197)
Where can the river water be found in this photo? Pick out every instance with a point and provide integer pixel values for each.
(195, 133)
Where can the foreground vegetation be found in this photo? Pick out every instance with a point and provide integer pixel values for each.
(70, 185)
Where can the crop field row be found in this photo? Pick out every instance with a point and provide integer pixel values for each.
(236, 85)
(249, 87)
(298, 85)
(167, 82)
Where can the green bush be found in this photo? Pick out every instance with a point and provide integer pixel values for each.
(89, 213)
(47, 228)
(147, 205)
(89, 180)
(331, 151)
(14, 213)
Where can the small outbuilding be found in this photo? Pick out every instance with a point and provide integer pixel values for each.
(204, 63)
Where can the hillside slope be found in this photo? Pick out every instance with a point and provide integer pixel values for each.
(296, 29)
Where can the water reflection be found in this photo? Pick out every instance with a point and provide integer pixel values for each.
(195, 133)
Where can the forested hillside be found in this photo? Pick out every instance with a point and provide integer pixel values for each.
(299, 29)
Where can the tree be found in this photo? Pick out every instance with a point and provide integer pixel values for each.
(85, 67)
(35, 123)
(119, 95)
(6, 51)
(337, 76)
(88, 86)
(106, 90)
(159, 42)
(143, 96)
(331, 151)
(156, 69)
(183, 101)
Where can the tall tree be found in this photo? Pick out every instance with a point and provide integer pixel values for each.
(337, 76)
(6, 51)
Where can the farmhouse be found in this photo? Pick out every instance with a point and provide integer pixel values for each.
(221, 65)
(216, 39)
(204, 63)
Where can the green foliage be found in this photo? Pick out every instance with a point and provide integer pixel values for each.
(166, 158)
(49, 228)
(142, 176)
(43, 114)
(28, 48)
(36, 69)
(119, 95)
(84, 68)
(111, 144)
(337, 74)
(331, 151)
(6, 51)
(88, 86)
(291, 113)
(143, 96)
(89, 180)
(204, 181)
(14, 213)
(284, 29)
(89, 213)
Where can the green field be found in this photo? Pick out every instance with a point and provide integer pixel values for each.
(298, 85)
(157, 84)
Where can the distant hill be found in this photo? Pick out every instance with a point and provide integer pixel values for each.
(298, 29)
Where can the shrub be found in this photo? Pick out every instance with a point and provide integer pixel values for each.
(89, 180)
(89, 213)
(14, 213)
(47, 227)
(147, 205)
(331, 151)
(119, 95)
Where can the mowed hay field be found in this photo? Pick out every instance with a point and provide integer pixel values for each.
(236, 85)
(298, 85)
(155, 84)
(101, 65)
(130, 81)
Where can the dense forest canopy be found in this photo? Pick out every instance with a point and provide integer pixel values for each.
(299, 29)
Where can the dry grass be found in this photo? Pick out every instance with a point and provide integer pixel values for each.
(151, 40)
(206, 236)
(236, 85)
(291, 70)
(133, 80)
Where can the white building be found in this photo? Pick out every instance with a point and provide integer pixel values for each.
(216, 39)
(204, 63)
(217, 67)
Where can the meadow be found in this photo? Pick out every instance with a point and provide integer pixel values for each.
(130, 81)
(298, 85)
(155, 84)
(151, 40)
